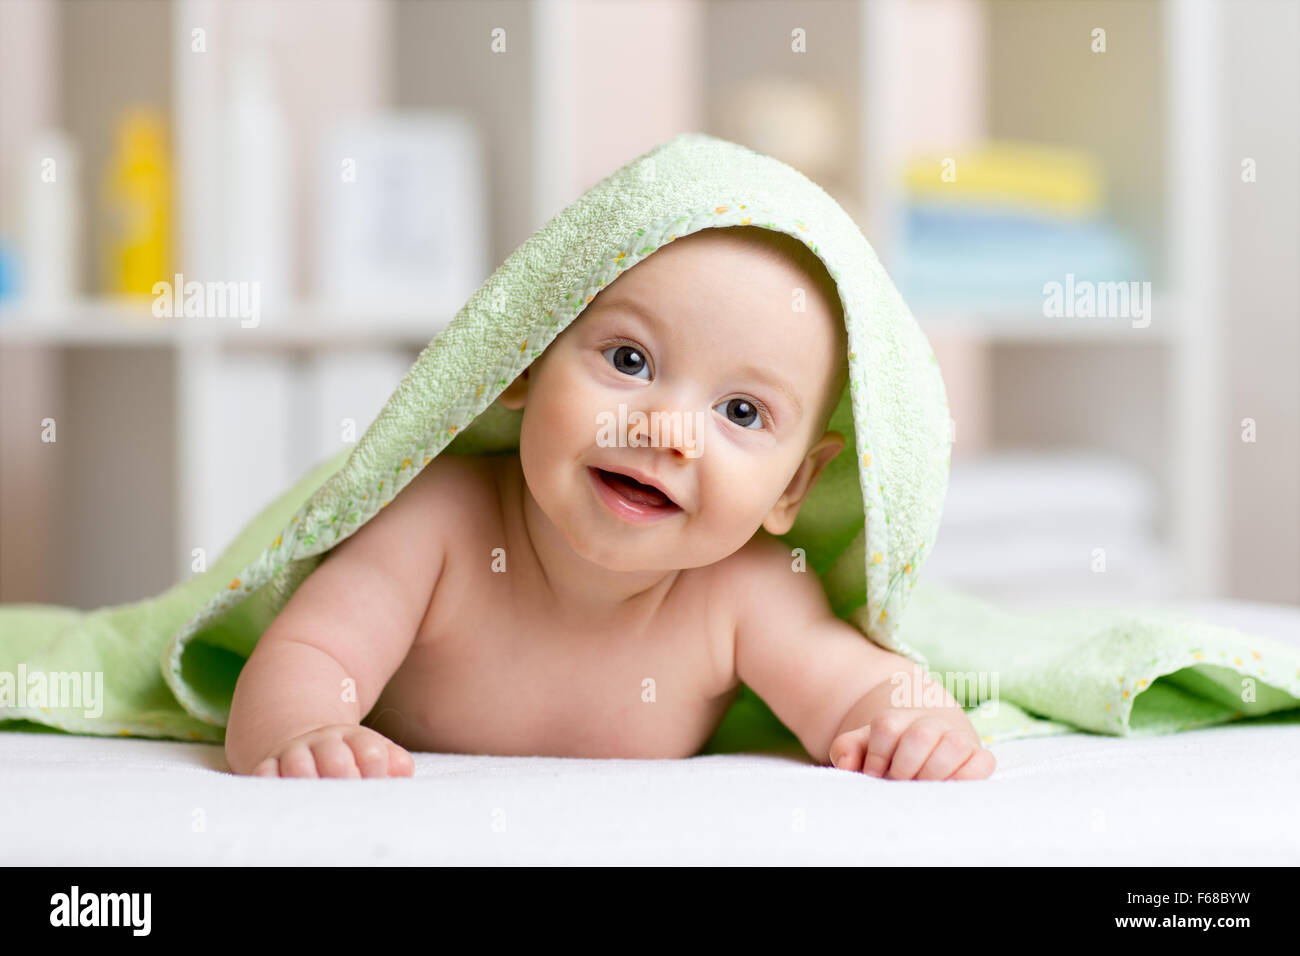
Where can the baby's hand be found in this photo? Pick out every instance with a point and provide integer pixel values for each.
(914, 743)
(338, 750)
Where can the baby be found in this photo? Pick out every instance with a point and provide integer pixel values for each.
(588, 597)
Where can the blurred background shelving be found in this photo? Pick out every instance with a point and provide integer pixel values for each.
(1073, 434)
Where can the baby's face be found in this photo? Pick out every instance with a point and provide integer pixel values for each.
(705, 328)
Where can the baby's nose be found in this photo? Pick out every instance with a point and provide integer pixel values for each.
(661, 426)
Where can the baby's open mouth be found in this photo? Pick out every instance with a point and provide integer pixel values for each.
(647, 496)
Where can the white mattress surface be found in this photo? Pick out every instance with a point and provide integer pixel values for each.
(1224, 795)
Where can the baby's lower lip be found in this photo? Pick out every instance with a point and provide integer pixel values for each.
(623, 507)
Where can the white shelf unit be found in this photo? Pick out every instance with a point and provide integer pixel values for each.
(1195, 77)
(131, 324)
(165, 368)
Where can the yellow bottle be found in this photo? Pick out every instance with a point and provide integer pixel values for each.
(137, 191)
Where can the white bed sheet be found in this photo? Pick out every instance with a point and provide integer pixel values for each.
(1220, 796)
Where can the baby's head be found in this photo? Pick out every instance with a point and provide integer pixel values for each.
(735, 336)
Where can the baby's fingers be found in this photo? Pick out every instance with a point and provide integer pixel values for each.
(297, 761)
(270, 767)
(886, 731)
(334, 758)
(370, 752)
(952, 751)
(920, 739)
(849, 749)
(400, 761)
(980, 766)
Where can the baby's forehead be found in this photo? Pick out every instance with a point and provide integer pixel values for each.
(760, 244)
(775, 251)
(768, 276)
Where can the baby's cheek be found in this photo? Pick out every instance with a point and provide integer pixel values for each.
(724, 523)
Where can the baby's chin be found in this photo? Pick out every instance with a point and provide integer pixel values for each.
(635, 551)
(627, 553)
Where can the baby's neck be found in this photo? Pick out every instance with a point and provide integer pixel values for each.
(576, 587)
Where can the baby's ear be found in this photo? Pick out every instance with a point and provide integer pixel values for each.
(781, 518)
(515, 393)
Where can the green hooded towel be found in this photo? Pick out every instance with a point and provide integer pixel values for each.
(169, 663)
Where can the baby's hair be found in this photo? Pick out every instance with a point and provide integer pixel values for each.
(780, 245)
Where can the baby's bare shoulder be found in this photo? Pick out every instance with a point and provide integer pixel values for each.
(764, 555)
(768, 576)
(435, 506)
(450, 474)
(459, 490)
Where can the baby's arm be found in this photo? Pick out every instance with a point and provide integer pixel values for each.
(353, 618)
(833, 687)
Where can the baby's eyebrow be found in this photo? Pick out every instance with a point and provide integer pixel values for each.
(632, 305)
(777, 383)
(751, 371)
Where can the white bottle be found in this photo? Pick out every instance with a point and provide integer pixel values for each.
(259, 200)
(50, 246)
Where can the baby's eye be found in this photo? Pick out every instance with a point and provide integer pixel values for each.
(742, 412)
(628, 359)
